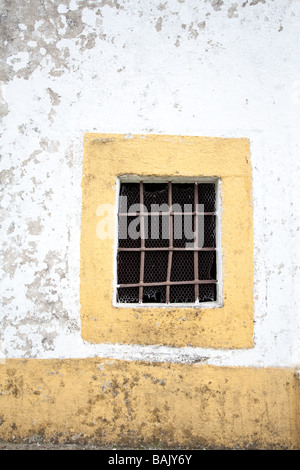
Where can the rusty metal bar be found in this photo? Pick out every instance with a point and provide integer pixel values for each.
(169, 283)
(142, 226)
(149, 214)
(142, 249)
(170, 242)
(167, 248)
(196, 271)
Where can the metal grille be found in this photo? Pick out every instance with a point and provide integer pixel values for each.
(161, 261)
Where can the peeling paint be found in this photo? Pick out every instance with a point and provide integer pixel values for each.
(158, 25)
(34, 226)
(255, 2)
(216, 4)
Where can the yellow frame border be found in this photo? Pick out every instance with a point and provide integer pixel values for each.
(109, 156)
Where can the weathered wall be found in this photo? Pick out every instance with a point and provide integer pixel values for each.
(198, 68)
(207, 68)
(106, 156)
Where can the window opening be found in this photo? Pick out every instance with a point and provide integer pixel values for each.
(167, 244)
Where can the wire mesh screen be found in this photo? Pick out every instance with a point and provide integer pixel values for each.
(167, 243)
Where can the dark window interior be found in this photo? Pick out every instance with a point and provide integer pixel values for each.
(162, 260)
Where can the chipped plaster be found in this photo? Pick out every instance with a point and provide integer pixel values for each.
(219, 68)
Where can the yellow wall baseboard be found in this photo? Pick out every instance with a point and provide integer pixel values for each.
(138, 404)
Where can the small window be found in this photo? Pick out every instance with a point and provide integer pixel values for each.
(112, 291)
(168, 243)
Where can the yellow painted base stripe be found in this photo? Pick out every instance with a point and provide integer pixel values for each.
(152, 404)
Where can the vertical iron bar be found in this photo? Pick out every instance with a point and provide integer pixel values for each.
(170, 256)
(142, 227)
(196, 271)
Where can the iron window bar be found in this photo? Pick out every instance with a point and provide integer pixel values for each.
(169, 283)
(196, 282)
(170, 255)
(142, 266)
(167, 248)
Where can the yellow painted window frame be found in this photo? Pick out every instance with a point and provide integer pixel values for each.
(108, 157)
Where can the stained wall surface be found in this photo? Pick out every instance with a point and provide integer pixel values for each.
(212, 68)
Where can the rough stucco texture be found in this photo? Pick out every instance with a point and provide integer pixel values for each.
(158, 405)
(216, 68)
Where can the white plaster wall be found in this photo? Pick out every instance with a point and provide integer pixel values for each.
(211, 67)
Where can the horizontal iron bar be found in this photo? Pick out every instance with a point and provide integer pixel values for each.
(169, 283)
(132, 214)
(167, 248)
